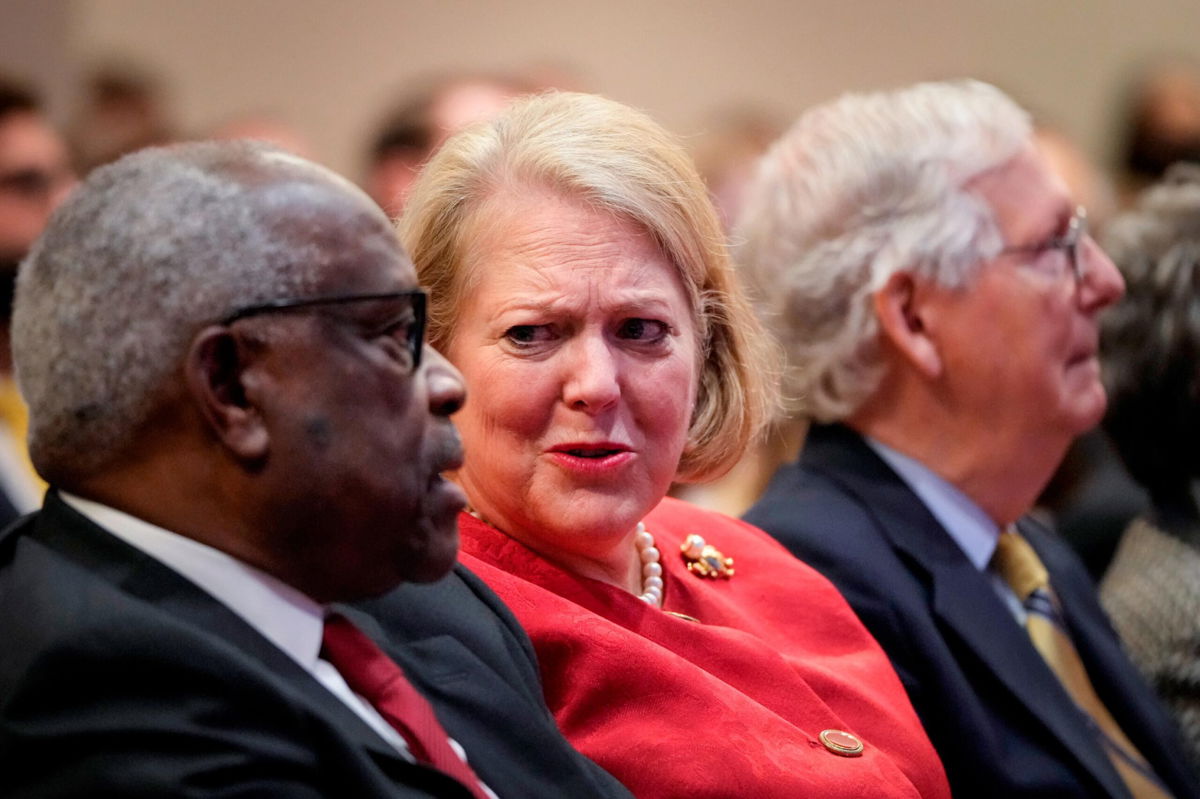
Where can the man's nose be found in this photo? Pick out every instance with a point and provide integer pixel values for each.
(447, 391)
(1102, 284)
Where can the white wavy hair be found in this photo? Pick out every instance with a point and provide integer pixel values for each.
(139, 258)
(859, 189)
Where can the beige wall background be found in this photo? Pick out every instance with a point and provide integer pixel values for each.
(332, 68)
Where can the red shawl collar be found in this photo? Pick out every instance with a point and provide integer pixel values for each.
(731, 705)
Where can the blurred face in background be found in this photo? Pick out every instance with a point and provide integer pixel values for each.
(35, 176)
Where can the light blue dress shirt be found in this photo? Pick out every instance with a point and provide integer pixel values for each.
(972, 529)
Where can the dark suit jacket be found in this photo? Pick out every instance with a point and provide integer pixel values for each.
(997, 715)
(8, 511)
(118, 677)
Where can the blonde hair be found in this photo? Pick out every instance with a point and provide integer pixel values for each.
(620, 161)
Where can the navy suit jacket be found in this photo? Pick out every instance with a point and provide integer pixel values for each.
(119, 677)
(1001, 721)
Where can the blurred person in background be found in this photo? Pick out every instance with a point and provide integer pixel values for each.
(35, 176)
(414, 130)
(1161, 124)
(938, 296)
(265, 127)
(581, 283)
(1151, 346)
(728, 152)
(726, 157)
(123, 109)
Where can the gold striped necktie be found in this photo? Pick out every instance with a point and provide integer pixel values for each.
(1022, 569)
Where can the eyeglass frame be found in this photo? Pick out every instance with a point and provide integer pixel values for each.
(1077, 231)
(419, 297)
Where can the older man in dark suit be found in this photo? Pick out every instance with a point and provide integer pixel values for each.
(223, 351)
(937, 292)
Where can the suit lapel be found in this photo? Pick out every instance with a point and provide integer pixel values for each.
(963, 599)
(62, 528)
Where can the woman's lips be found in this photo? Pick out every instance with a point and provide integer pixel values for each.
(591, 459)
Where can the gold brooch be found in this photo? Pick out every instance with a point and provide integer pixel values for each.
(704, 559)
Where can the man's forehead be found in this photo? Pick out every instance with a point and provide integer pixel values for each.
(1028, 199)
(307, 189)
(335, 234)
(316, 213)
(370, 262)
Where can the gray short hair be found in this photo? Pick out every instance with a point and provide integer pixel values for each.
(623, 162)
(857, 190)
(138, 259)
(1151, 339)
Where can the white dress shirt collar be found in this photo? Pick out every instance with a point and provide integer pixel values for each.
(285, 616)
(964, 521)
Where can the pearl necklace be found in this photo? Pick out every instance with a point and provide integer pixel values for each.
(652, 582)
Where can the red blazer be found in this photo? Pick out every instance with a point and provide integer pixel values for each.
(730, 704)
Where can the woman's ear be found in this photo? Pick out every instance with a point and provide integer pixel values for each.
(216, 367)
(900, 310)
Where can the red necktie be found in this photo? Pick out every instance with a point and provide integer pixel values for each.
(375, 677)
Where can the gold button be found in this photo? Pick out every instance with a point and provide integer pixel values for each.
(841, 743)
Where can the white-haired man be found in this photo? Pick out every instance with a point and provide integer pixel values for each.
(222, 346)
(938, 295)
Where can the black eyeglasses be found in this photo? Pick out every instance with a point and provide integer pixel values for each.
(1068, 242)
(410, 322)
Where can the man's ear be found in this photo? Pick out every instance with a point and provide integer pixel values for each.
(216, 367)
(899, 310)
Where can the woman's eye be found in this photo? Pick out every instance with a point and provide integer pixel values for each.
(643, 330)
(528, 334)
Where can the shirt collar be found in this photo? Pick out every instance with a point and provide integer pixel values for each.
(285, 616)
(972, 529)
